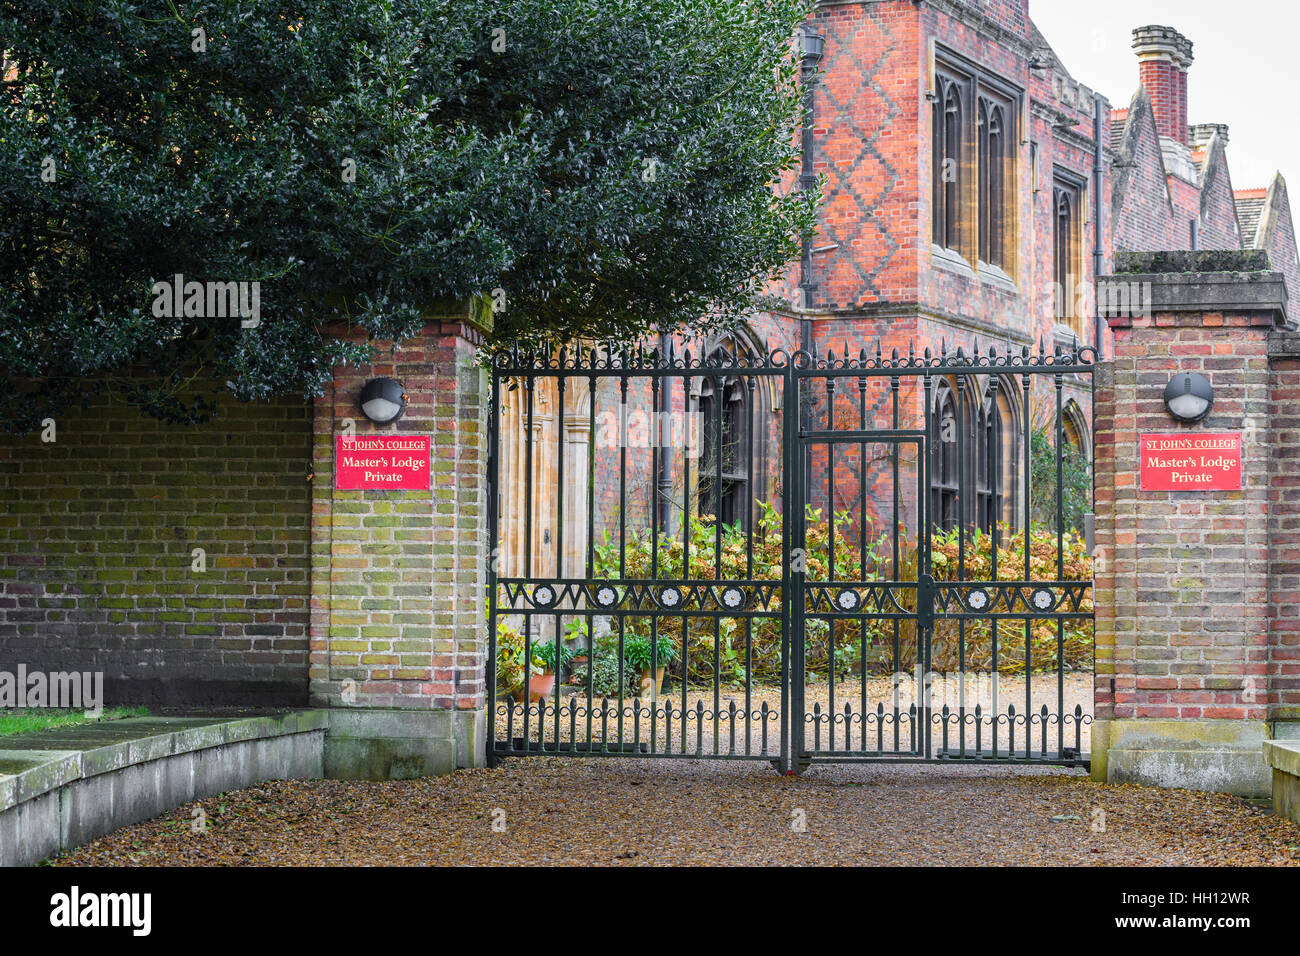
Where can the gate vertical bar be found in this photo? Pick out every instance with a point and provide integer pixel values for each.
(792, 685)
(494, 491)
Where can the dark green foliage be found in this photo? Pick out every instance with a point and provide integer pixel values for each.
(603, 671)
(638, 652)
(1076, 482)
(612, 166)
(547, 653)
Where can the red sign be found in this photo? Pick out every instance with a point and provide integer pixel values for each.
(1183, 462)
(395, 462)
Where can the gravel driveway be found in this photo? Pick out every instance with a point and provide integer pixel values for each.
(623, 811)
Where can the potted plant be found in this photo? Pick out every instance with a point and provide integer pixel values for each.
(576, 631)
(648, 661)
(554, 658)
(511, 669)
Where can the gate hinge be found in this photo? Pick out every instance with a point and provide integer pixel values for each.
(925, 601)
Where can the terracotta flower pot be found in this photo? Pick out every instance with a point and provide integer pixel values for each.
(540, 687)
(652, 686)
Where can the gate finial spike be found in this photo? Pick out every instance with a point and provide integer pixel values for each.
(1041, 350)
(927, 354)
(975, 346)
(943, 346)
(877, 349)
(911, 350)
(894, 355)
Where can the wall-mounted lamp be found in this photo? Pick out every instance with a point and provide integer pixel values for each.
(1189, 397)
(811, 45)
(382, 400)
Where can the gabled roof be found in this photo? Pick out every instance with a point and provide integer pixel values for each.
(1215, 182)
(1139, 117)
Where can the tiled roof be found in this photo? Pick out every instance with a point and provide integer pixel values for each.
(1250, 206)
(1118, 118)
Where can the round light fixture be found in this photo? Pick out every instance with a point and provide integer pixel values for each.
(383, 400)
(1189, 397)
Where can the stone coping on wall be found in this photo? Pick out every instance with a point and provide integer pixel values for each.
(1284, 757)
(63, 786)
(1214, 287)
(35, 763)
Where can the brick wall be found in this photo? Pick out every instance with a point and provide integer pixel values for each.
(1284, 527)
(97, 563)
(1181, 611)
(398, 577)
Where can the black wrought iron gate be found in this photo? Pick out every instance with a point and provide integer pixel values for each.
(650, 513)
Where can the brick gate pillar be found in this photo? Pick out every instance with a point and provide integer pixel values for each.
(397, 616)
(1182, 577)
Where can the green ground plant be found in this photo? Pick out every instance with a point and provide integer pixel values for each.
(22, 721)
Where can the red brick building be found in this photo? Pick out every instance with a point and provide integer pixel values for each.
(973, 191)
(964, 180)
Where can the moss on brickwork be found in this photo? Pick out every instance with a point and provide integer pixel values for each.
(1205, 260)
(97, 562)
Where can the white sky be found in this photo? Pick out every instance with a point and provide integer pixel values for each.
(1245, 64)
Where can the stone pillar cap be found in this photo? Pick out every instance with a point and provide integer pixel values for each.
(1202, 133)
(1160, 42)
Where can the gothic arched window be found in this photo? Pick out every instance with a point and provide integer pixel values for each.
(967, 482)
(1066, 255)
(986, 461)
(992, 183)
(725, 461)
(945, 477)
(947, 173)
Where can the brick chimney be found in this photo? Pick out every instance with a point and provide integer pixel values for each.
(1164, 56)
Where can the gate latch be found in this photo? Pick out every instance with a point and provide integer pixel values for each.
(925, 601)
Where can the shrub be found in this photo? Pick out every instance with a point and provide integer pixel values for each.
(602, 670)
(721, 641)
